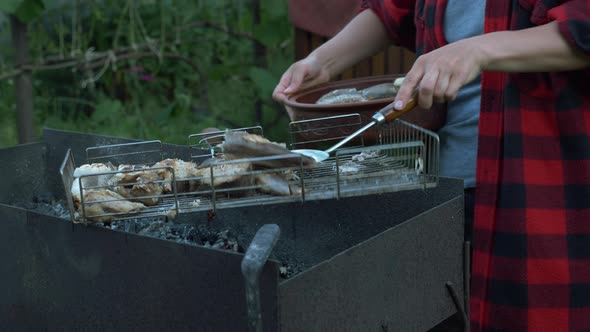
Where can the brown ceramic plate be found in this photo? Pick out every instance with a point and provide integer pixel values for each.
(301, 106)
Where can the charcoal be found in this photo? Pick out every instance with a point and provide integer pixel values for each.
(218, 245)
(190, 234)
(152, 229)
(197, 235)
(290, 267)
(51, 207)
(223, 235)
(44, 197)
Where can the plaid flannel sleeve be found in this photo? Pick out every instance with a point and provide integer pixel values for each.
(573, 18)
(398, 18)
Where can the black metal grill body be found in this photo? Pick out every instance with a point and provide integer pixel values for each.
(369, 263)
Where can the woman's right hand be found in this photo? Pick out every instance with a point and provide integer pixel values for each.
(302, 74)
(362, 37)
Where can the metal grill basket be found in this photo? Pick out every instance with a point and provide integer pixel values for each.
(405, 157)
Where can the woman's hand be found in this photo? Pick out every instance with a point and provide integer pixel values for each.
(362, 37)
(302, 74)
(438, 75)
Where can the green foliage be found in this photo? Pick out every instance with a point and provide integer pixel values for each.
(10, 6)
(151, 97)
(263, 80)
(25, 10)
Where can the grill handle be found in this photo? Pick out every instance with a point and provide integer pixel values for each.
(254, 260)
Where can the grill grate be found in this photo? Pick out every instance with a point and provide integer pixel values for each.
(405, 158)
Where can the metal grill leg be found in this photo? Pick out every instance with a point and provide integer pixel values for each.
(457, 302)
(252, 264)
(467, 282)
(463, 308)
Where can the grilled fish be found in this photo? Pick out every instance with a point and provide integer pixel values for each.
(98, 202)
(341, 96)
(241, 145)
(137, 183)
(95, 178)
(222, 173)
(276, 184)
(379, 91)
(229, 179)
(352, 95)
(184, 171)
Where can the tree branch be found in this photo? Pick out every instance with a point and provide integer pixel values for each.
(56, 62)
(217, 27)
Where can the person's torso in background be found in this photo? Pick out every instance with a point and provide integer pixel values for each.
(463, 19)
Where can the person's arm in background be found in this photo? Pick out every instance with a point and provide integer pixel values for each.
(364, 36)
(560, 45)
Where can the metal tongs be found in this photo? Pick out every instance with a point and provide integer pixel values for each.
(386, 115)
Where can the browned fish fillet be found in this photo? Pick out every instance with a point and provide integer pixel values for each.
(222, 174)
(93, 177)
(95, 209)
(276, 184)
(241, 145)
(182, 170)
(137, 183)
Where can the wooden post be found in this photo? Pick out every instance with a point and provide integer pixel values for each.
(23, 84)
(259, 56)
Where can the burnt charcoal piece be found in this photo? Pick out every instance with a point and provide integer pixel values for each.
(44, 197)
(190, 234)
(51, 208)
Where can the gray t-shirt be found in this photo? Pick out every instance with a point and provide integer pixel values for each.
(463, 19)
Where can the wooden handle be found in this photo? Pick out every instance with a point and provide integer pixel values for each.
(391, 113)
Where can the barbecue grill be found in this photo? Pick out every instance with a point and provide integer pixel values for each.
(377, 260)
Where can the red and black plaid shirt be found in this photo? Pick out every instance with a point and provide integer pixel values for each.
(531, 261)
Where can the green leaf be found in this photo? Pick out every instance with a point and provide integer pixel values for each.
(274, 9)
(223, 71)
(267, 34)
(264, 81)
(10, 6)
(30, 10)
(107, 110)
(164, 116)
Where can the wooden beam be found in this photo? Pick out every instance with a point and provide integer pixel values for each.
(23, 83)
(259, 58)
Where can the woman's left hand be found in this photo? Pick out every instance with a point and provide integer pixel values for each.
(438, 75)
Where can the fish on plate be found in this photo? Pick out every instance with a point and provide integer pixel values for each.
(352, 95)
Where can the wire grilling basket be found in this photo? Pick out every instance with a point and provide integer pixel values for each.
(136, 181)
